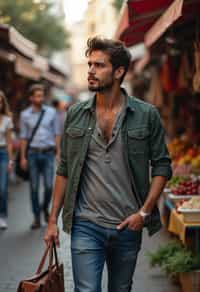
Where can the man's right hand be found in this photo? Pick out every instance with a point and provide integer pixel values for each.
(52, 234)
(24, 163)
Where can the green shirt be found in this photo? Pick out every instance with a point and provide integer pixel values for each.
(144, 148)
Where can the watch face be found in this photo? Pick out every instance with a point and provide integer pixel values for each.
(144, 214)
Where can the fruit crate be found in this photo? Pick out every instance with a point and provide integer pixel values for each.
(178, 198)
(190, 215)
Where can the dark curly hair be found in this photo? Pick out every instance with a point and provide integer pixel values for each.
(116, 50)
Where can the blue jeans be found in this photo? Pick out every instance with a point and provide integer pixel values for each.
(92, 246)
(3, 182)
(40, 163)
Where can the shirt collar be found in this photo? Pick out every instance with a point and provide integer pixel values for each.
(32, 111)
(90, 105)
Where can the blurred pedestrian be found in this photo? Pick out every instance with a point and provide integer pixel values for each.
(60, 111)
(103, 176)
(6, 157)
(39, 158)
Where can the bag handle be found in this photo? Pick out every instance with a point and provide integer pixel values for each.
(53, 254)
(51, 250)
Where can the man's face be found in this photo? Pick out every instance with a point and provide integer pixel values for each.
(37, 98)
(100, 72)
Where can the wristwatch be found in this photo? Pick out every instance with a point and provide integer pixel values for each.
(144, 215)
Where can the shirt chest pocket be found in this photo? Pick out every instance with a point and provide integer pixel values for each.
(75, 138)
(138, 140)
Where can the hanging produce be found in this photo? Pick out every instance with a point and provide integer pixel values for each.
(155, 94)
(184, 74)
(167, 76)
(196, 79)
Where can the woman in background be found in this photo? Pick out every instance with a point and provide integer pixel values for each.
(6, 159)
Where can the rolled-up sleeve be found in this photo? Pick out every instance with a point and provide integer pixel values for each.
(23, 127)
(62, 168)
(159, 155)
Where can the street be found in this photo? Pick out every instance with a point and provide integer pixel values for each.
(21, 249)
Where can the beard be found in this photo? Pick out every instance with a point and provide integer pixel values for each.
(101, 87)
(37, 103)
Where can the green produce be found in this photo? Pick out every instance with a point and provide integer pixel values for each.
(173, 258)
(176, 180)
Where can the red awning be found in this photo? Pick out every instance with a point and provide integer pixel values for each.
(171, 14)
(139, 10)
(144, 13)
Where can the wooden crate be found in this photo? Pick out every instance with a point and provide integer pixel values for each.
(190, 282)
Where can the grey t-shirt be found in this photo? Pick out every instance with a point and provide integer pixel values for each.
(105, 193)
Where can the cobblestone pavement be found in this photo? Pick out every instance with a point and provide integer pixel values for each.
(21, 249)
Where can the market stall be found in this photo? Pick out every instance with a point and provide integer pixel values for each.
(21, 65)
(169, 78)
(184, 225)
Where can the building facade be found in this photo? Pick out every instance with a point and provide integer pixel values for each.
(100, 19)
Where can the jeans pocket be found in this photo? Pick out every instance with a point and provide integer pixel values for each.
(133, 237)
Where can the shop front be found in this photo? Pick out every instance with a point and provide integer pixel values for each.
(21, 66)
(167, 74)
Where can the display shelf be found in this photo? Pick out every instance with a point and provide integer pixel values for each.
(177, 225)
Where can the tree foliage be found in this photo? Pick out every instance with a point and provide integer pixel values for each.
(37, 21)
(118, 4)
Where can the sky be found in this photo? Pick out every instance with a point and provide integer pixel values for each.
(74, 10)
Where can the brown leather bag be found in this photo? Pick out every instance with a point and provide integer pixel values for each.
(50, 280)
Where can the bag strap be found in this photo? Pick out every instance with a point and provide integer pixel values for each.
(35, 129)
(53, 254)
(42, 262)
(51, 250)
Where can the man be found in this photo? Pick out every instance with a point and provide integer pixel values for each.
(103, 176)
(42, 149)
